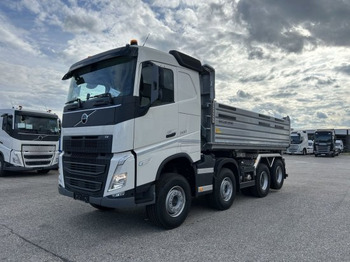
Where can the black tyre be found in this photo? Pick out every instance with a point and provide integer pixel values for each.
(224, 191)
(277, 174)
(2, 166)
(173, 201)
(262, 181)
(304, 152)
(102, 208)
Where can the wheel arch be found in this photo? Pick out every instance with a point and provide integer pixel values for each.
(181, 164)
(230, 164)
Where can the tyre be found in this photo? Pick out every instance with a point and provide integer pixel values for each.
(173, 201)
(277, 174)
(102, 208)
(2, 166)
(304, 152)
(262, 181)
(224, 191)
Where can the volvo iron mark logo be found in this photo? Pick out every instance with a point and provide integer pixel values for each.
(84, 118)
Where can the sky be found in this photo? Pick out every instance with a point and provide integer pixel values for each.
(275, 57)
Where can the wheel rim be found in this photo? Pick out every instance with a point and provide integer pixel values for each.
(226, 189)
(175, 201)
(264, 180)
(279, 175)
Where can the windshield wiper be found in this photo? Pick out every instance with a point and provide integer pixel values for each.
(103, 95)
(103, 102)
(74, 100)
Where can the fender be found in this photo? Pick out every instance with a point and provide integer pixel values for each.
(172, 158)
(220, 162)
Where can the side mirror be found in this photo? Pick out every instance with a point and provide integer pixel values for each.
(149, 85)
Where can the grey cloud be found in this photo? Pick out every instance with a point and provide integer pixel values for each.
(321, 115)
(285, 94)
(276, 22)
(79, 24)
(256, 78)
(244, 95)
(344, 69)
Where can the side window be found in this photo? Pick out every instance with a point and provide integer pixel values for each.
(7, 123)
(156, 85)
(166, 86)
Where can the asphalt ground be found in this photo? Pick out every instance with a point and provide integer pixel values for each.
(307, 220)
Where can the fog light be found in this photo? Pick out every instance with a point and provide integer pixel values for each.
(16, 160)
(117, 181)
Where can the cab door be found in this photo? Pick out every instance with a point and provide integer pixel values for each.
(157, 92)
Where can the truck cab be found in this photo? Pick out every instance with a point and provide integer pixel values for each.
(28, 140)
(299, 143)
(324, 143)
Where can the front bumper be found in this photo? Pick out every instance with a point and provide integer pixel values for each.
(10, 167)
(121, 202)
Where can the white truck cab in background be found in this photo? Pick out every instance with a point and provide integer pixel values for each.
(299, 143)
(28, 140)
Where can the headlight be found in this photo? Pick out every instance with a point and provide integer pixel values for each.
(117, 181)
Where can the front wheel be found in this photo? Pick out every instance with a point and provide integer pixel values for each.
(224, 191)
(262, 181)
(173, 201)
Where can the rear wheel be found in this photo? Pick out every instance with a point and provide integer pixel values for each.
(262, 181)
(224, 191)
(173, 201)
(277, 174)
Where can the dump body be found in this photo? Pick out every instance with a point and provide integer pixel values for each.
(237, 129)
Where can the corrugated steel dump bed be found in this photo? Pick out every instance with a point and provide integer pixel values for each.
(238, 129)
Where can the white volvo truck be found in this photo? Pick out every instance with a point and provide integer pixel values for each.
(28, 141)
(141, 127)
(299, 143)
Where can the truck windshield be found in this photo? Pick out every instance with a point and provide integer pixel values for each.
(114, 77)
(37, 125)
(295, 139)
(323, 137)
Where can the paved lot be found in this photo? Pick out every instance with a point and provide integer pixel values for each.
(307, 220)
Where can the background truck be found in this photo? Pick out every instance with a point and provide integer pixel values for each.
(28, 140)
(324, 143)
(141, 127)
(339, 145)
(298, 143)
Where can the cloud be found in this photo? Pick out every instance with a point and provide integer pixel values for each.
(296, 25)
(16, 38)
(321, 115)
(244, 95)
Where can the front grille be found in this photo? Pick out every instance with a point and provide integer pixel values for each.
(84, 168)
(86, 163)
(323, 149)
(38, 155)
(84, 184)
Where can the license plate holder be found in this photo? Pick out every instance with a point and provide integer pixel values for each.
(81, 197)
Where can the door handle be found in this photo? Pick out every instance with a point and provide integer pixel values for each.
(170, 135)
